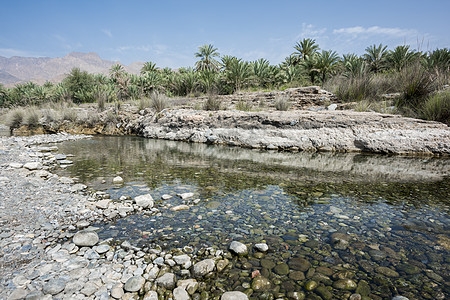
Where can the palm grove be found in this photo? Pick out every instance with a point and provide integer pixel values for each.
(416, 77)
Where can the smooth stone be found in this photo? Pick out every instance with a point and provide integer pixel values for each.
(182, 260)
(60, 156)
(345, 284)
(262, 247)
(324, 292)
(234, 296)
(180, 293)
(221, 264)
(238, 248)
(151, 295)
(102, 249)
(117, 180)
(89, 289)
(261, 283)
(167, 281)
(281, 269)
(117, 291)
(190, 285)
(185, 196)
(134, 284)
(144, 201)
(102, 204)
(268, 264)
(66, 180)
(311, 285)
(340, 240)
(179, 207)
(297, 275)
(408, 269)
(166, 197)
(33, 166)
(85, 238)
(296, 295)
(387, 272)
(18, 294)
(65, 162)
(299, 264)
(54, 286)
(203, 267)
(400, 298)
(15, 165)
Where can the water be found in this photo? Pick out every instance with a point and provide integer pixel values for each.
(392, 212)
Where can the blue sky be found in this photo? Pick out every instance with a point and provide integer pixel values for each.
(169, 32)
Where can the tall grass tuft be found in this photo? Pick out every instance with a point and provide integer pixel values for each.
(282, 102)
(159, 101)
(31, 117)
(415, 83)
(14, 119)
(437, 107)
(212, 103)
(244, 105)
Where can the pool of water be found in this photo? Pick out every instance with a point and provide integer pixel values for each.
(382, 221)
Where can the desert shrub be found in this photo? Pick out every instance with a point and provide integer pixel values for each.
(282, 102)
(14, 119)
(69, 114)
(159, 101)
(437, 107)
(212, 103)
(144, 103)
(244, 105)
(31, 117)
(415, 84)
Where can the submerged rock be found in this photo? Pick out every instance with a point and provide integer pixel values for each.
(238, 248)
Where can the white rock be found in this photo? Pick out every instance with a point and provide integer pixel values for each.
(134, 284)
(167, 281)
(117, 180)
(234, 296)
(66, 180)
(332, 106)
(144, 201)
(33, 166)
(151, 295)
(262, 247)
(85, 238)
(166, 197)
(185, 196)
(190, 285)
(180, 293)
(16, 165)
(238, 248)
(179, 207)
(103, 204)
(203, 267)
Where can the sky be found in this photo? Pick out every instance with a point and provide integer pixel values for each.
(169, 32)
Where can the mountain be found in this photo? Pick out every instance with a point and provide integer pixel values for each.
(18, 69)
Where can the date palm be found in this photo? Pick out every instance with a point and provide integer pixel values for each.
(206, 53)
(375, 57)
(148, 67)
(305, 48)
(326, 62)
(400, 57)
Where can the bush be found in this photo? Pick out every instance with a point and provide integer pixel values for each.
(159, 101)
(31, 118)
(69, 114)
(437, 107)
(415, 83)
(14, 119)
(212, 103)
(282, 103)
(244, 105)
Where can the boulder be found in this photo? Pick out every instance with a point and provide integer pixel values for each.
(144, 201)
(203, 267)
(85, 238)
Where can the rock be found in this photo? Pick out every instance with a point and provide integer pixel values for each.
(54, 286)
(311, 285)
(324, 292)
(66, 180)
(267, 263)
(203, 267)
(185, 196)
(117, 291)
(261, 283)
(297, 275)
(180, 293)
(340, 240)
(134, 284)
(60, 156)
(151, 295)
(332, 107)
(408, 269)
(179, 207)
(234, 296)
(167, 281)
(281, 269)
(238, 248)
(262, 247)
(400, 298)
(18, 294)
(183, 260)
(144, 201)
(345, 284)
(89, 289)
(296, 295)
(65, 162)
(33, 166)
(117, 180)
(102, 249)
(221, 264)
(166, 197)
(15, 165)
(387, 272)
(299, 264)
(190, 285)
(85, 238)
(103, 204)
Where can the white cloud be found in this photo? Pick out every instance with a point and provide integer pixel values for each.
(8, 52)
(311, 31)
(377, 30)
(107, 33)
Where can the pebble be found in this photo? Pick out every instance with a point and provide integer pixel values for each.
(238, 248)
(85, 238)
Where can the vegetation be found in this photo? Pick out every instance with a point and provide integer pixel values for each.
(413, 75)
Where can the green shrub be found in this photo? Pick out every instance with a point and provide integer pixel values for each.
(159, 101)
(437, 107)
(282, 102)
(212, 103)
(244, 105)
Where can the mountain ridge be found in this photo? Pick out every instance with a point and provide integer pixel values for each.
(18, 69)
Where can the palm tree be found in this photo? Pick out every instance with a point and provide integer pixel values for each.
(148, 67)
(305, 48)
(261, 70)
(376, 57)
(208, 80)
(353, 66)
(400, 57)
(238, 74)
(206, 54)
(326, 62)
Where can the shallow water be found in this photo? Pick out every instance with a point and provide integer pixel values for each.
(393, 210)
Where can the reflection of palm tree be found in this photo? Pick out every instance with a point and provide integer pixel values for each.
(375, 57)
(305, 48)
(206, 54)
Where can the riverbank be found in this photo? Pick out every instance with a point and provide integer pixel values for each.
(49, 248)
(295, 130)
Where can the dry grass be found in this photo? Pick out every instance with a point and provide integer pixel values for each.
(282, 102)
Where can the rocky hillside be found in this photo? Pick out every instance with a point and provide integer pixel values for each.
(17, 69)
